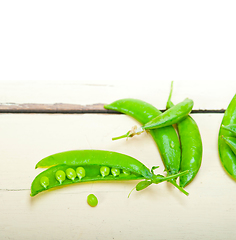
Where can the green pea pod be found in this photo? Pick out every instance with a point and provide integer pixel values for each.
(51, 177)
(95, 157)
(227, 157)
(231, 141)
(231, 128)
(166, 138)
(191, 146)
(92, 174)
(172, 116)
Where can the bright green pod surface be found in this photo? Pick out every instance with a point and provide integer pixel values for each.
(92, 174)
(231, 141)
(227, 157)
(171, 116)
(97, 158)
(191, 148)
(166, 138)
(231, 128)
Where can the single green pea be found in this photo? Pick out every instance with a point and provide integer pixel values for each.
(126, 172)
(70, 173)
(104, 171)
(80, 171)
(60, 176)
(92, 200)
(115, 172)
(44, 181)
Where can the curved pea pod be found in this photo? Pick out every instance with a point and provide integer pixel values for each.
(191, 146)
(172, 116)
(166, 138)
(227, 157)
(94, 169)
(95, 157)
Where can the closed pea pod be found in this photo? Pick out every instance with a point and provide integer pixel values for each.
(168, 118)
(191, 146)
(93, 170)
(227, 157)
(166, 138)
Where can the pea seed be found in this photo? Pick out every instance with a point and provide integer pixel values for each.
(92, 200)
(104, 171)
(44, 181)
(60, 176)
(126, 172)
(115, 172)
(70, 173)
(80, 171)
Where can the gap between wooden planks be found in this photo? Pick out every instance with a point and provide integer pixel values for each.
(66, 108)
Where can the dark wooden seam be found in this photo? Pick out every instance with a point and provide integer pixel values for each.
(72, 108)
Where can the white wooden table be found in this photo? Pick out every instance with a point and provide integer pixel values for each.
(46, 118)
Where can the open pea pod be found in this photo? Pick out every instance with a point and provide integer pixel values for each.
(52, 177)
(69, 167)
(95, 157)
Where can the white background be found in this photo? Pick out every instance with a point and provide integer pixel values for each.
(110, 41)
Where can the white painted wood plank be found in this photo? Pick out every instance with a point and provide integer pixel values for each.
(159, 212)
(205, 94)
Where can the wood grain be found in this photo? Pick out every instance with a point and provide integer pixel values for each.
(72, 108)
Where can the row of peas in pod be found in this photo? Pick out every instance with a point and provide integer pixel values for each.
(180, 149)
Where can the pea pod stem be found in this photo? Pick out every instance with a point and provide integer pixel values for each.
(131, 133)
(158, 179)
(180, 188)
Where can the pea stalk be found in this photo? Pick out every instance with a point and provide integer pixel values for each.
(158, 179)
